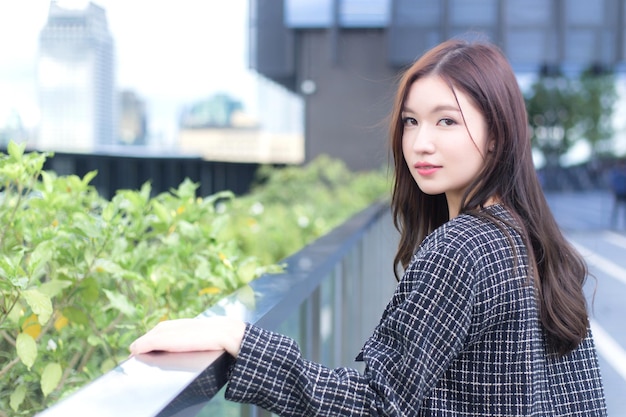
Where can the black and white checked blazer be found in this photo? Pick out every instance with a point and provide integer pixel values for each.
(460, 337)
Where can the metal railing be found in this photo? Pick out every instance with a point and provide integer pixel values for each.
(329, 298)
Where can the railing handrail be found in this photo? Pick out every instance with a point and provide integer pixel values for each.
(160, 384)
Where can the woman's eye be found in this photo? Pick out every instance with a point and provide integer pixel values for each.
(446, 122)
(409, 121)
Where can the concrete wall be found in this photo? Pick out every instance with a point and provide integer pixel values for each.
(346, 115)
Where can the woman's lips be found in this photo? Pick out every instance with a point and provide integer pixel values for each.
(426, 169)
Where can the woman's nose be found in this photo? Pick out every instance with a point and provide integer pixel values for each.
(422, 140)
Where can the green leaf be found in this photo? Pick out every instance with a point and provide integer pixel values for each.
(14, 315)
(89, 176)
(220, 195)
(40, 256)
(89, 290)
(54, 287)
(10, 267)
(94, 340)
(146, 190)
(186, 189)
(203, 272)
(107, 365)
(108, 212)
(120, 302)
(47, 179)
(86, 225)
(40, 304)
(26, 349)
(247, 271)
(50, 378)
(110, 267)
(245, 295)
(75, 315)
(161, 212)
(15, 150)
(17, 397)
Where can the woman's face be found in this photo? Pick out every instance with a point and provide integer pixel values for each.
(444, 141)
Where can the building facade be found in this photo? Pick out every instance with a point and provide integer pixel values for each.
(132, 129)
(344, 56)
(76, 80)
(220, 129)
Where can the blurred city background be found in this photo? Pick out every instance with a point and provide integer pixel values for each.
(93, 77)
(281, 82)
(217, 78)
(155, 90)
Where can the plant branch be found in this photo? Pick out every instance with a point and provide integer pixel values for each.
(20, 189)
(14, 301)
(7, 337)
(88, 354)
(69, 368)
(8, 366)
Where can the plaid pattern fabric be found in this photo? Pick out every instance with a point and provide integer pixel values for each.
(460, 337)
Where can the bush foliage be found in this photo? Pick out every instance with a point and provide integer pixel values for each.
(294, 205)
(82, 276)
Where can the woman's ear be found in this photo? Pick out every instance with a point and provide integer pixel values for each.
(492, 145)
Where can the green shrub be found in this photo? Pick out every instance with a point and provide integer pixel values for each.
(81, 276)
(294, 205)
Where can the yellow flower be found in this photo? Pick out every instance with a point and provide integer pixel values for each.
(60, 322)
(225, 260)
(209, 290)
(31, 326)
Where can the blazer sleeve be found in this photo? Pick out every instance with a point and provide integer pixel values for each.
(422, 330)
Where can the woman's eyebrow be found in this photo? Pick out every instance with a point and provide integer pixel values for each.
(436, 109)
(445, 107)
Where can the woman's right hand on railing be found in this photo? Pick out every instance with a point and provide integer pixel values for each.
(186, 335)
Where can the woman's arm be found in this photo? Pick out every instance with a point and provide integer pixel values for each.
(422, 331)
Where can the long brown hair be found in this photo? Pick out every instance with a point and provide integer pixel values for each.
(481, 72)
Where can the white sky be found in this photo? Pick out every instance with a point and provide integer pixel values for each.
(170, 52)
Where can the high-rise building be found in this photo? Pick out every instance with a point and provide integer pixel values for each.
(76, 79)
(132, 127)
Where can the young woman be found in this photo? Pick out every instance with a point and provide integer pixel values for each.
(489, 318)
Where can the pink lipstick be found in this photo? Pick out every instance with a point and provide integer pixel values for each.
(426, 169)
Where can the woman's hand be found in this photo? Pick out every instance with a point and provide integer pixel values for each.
(186, 335)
